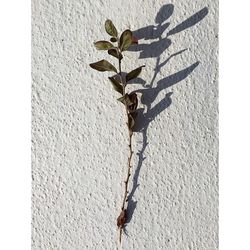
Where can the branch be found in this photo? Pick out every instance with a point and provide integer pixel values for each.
(122, 217)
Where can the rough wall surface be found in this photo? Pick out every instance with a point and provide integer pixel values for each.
(79, 151)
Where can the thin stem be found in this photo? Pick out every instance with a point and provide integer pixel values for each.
(128, 172)
(130, 132)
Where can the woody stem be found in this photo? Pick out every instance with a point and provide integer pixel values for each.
(130, 132)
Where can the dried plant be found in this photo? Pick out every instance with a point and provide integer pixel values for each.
(115, 47)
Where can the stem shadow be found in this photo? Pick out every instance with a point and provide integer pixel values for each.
(150, 91)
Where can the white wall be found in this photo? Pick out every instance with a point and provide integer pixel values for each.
(80, 139)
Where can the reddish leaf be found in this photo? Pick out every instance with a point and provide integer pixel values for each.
(134, 40)
(121, 219)
(115, 52)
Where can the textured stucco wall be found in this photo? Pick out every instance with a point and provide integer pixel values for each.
(79, 137)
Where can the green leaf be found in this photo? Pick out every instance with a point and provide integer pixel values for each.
(134, 73)
(103, 65)
(125, 40)
(103, 45)
(115, 52)
(116, 85)
(113, 39)
(110, 28)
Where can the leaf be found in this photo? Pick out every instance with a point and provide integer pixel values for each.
(125, 40)
(131, 120)
(125, 100)
(121, 219)
(134, 73)
(130, 100)
(116, 53)
(103, 45)
(121, 99)
(116, 85)
(113, 39)
(110, 28)
(103, 65)
(133, 102)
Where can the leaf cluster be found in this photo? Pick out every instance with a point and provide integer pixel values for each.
(115, 46)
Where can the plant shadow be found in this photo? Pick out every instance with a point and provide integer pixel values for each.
(161, 41)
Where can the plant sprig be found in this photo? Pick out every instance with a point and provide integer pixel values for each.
(130, 100)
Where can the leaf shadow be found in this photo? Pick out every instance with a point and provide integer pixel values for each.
(150, 91)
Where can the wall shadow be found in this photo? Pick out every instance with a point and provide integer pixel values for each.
(161, 41)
